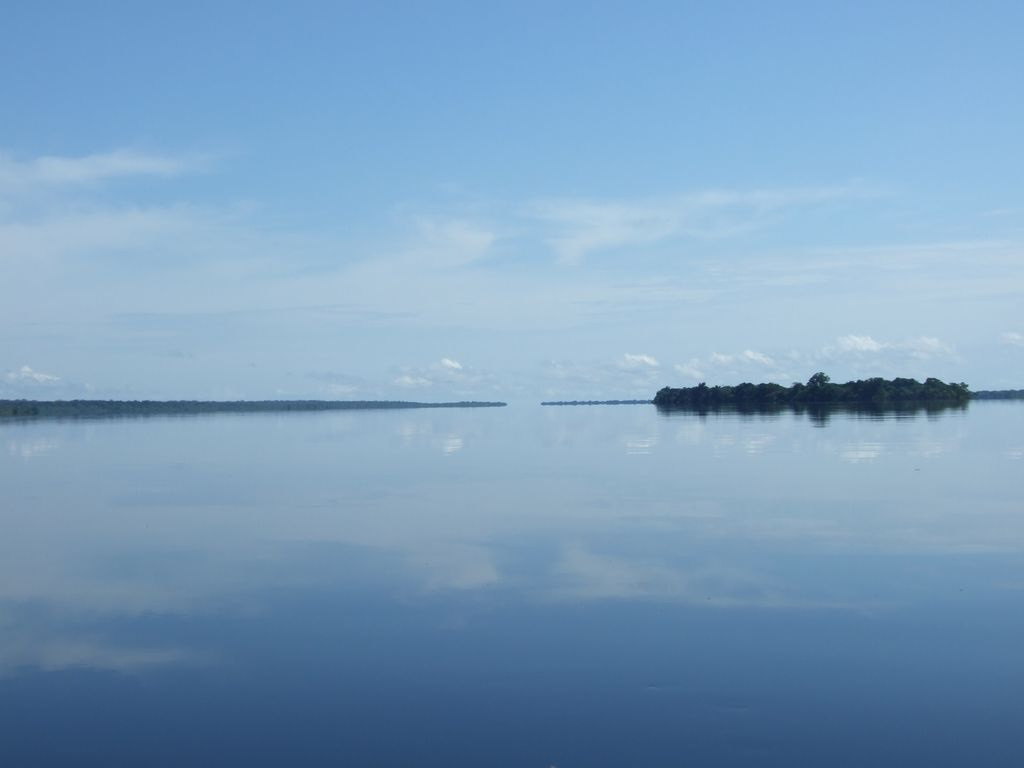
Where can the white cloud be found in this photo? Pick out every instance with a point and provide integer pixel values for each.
(919, 348)
(853, 343)
(633, 375)
(77, 170)
(1013, 338)
(691, 369)
(758, 357)
(639, 361)
(25, 374)
(748, 355)
(726, 367)
(449, 378)
(925, 347)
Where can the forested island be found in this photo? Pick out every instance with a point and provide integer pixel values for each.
(818, 391)
(100, 408)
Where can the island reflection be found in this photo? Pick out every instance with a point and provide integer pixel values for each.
(819, 415)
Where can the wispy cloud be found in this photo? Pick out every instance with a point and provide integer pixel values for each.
(630, 375)
(692, 369)
(634, 361)
(51, 207)
(446, 377)
(1013, 338)
(925, 347)
(450, 241)
(919, 348)
(854, 343)
(410, 381)
(580, 227)
(25, 381)
(732, 367)
(741, 358)
(93, 168)
(757, 357)
(26, 374)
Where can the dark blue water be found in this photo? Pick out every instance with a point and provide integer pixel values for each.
(603, 586)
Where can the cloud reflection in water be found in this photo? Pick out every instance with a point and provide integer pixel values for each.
(178, 517)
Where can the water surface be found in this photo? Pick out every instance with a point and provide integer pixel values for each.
(527, 586)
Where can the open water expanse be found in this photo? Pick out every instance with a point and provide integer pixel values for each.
(521, 586)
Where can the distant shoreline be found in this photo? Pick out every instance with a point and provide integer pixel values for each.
(598, 402)
(28, 409)
(998, 394)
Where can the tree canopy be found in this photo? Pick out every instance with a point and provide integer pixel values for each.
(819, 390)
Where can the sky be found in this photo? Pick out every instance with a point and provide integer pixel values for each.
(515, 201)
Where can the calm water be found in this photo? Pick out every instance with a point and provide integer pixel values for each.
(526, 586)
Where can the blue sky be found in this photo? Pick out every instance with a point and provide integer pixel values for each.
(532, 200)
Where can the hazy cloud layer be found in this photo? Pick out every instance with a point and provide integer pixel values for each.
(610, 297)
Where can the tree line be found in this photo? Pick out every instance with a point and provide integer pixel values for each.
(99, 408)
(818, 391)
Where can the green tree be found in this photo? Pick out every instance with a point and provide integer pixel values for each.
(818, 380)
